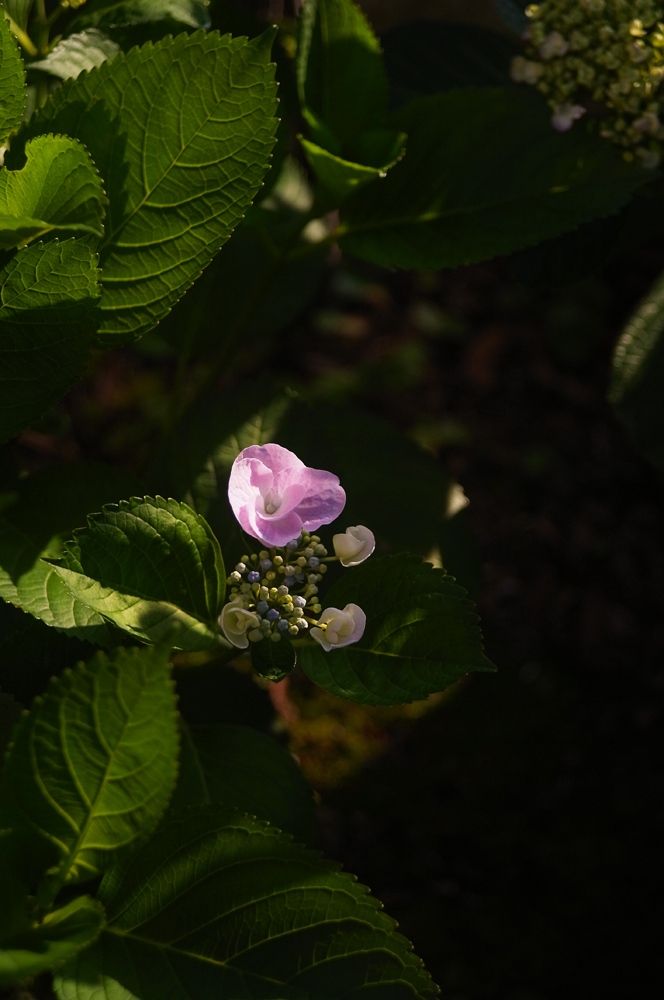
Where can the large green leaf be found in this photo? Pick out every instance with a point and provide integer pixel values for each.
(341, 78)
(485, 174)
(219, 904)
(53, 942)
(47, 506)
(637, 383)
(12, 76)
(181, 132)
(58, 188)
(246, 770)
(72, 55)
(341, 177)
(93, 764)
(48, 319)
(153, 567)
(426, 57)
(422, 634)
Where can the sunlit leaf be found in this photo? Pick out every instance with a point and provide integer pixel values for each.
(93, 763)
(57, 188)
(47, 506)
(112, 13)
(153, 567)
(83, 51)
(181, 132)
(12, 76)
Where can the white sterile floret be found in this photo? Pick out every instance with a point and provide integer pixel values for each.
(235, 621)
(354, 546)
(341, 627)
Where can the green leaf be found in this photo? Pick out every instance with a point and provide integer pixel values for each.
(83, 51)
(50, 944)
(342, 177)
(12, 75)
(58, 188)
(637, 382)
(117, 13)
(181, 132)
(426, 57)
(392, 486)
(485, 174)
(340, 73)
(18, 10)
(94, 763)
(46, 507)
(153, 567)
(273, 660)
(246, 770)
(220, 904)
(196, 462)
(422, 634)
(48, 309)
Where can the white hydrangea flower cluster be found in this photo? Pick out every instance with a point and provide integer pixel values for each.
(604, 55)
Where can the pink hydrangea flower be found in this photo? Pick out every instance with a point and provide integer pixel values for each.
(274, 495)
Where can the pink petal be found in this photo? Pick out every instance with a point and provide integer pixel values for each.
(325, 499)
(247, 477)
(273, 456)
(277, 531)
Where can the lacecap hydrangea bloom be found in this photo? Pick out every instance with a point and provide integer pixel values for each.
(274, 592)
(604, 55)
(275, 496)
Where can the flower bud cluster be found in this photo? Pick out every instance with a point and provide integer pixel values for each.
(606, 52)
(277, 591)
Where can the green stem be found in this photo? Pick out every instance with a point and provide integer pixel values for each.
(21, 36)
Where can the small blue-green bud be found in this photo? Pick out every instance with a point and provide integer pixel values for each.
(266, 564)
(289, 581)
(255, 635)
(314, 561)
(265, 625)
(320, 550)
(262, 607)
(275, 637)
(254, 577)
(293, 544)
(299, 602)
(297, 614)
(299, 577)
(312, 578)
(283, 625)
(272, 615)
